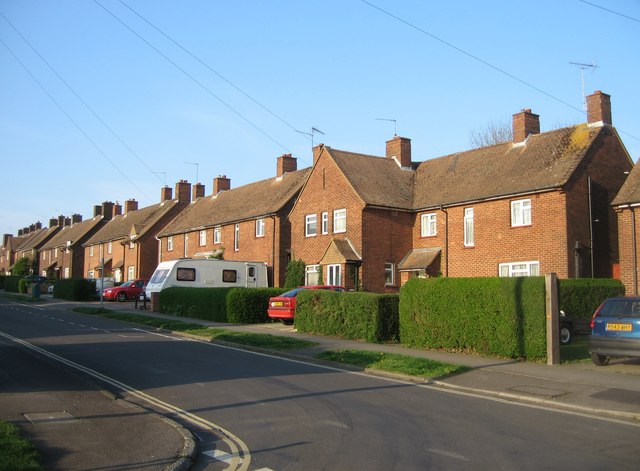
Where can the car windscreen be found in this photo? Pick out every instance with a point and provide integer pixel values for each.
(621, 308)
(159, 275)
(291, 294)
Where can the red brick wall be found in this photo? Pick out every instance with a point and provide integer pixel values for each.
(628, 259)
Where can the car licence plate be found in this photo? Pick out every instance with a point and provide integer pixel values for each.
(619, 327)
(276, 303)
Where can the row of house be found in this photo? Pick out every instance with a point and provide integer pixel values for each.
(561, 201)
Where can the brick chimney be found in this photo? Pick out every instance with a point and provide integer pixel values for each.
(75, 218)
(20, 232)
(131, 205)
(107, 210)
(67, 222)
(38, 225)
(117, 209)
(61, 220)
(198, 191)
(183, 191)
(166, 194)
(317, 150)
(5, 239)
(399, 148)
(53, 222)
(32, 228)
(97, 210)
(286, 164)
(221, 183)
(525, 123)
(599, 109)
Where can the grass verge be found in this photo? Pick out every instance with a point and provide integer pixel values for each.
(25, 298)
(16, 453)
(577, 351)
(394, 363)
(267, 341)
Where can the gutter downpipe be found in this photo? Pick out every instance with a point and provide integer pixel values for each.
(446, 241)
(273, 252)
(590, 224)
(634, 244)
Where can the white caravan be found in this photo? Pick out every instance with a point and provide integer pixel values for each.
(207, 273)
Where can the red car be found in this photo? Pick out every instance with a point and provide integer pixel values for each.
(283, 307)
(127, 290)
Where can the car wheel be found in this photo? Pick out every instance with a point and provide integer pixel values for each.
(565, 335)
(121, 297)
(599, 360)
(287, 321)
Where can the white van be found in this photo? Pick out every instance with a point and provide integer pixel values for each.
(207, 273)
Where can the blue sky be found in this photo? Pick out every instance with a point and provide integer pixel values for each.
(440, 69)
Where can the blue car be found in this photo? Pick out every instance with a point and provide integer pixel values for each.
(615, 330)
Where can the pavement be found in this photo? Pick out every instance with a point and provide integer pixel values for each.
(154, 442)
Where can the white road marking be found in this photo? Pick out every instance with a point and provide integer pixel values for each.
(450, 454)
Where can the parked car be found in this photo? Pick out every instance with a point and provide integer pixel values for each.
(615, 330)
(566, 329)
(128, 290)
(109, 282)
(39, 279)
(283, 307)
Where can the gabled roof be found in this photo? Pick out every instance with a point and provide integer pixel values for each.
(340, 251)
(143, 219)
(378, 181)
(545, 161)
(245, 202)
(74, 233)
(35, 239)
(630, 191)
(419, 258)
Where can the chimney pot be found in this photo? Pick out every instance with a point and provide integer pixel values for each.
(183, 191)
(130, 205)
(400, 148)
(221, 183)
(286, 164)
(525, 123)
(198, 191)
(599, 108)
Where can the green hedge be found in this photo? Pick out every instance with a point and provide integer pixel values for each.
(22, 286)
(363, 316)
(75, 289)
(249, 305)
(490, 316)
(197, 303)
(11, 283)
(579, 298)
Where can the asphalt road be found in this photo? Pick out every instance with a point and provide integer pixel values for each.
(280, 414)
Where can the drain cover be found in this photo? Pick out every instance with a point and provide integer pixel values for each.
(50, 418)
(539, 391)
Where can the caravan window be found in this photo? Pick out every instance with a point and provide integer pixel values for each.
(229, 276)
(159, 275)
(251, 272)
(186, 274)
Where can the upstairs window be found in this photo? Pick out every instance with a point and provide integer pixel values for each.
(110, 247)
(340, 220)
(428, 225)
(259, 227)
(311, 225)
(469, 238)
(325, 223)
(521, 213)
(202, 238)
(236, 237)
(217, 235)
(169, 244)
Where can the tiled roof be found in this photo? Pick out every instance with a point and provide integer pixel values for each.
(340, 251)
(72, 233)
(378, 181)
(546, 161)
(245, 202)
(143, 219)
(419, 258)
(630, 191)
(36, 238)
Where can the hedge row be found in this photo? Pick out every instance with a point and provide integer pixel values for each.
(237, 305)
(490, 316)
(75, 289)
(579, 298)
(10, 283)
(363, 316)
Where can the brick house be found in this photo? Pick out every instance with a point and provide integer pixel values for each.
(512, 209)
(62, 256)
(128, 240)
(27, 244)
(626, 205)
(246, 223)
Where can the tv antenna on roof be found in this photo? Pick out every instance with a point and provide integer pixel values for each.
(582, 66)
(311, 134)
(164, 174)
(395, 125)
(196, 164)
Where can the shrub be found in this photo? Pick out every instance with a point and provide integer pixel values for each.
(491, 316)
(295, 274)
(197, 303)
(364, 316)
(22, 267)
(22, 285)
(249, 305)
(581, 297)
(2, 277)
(75, 289)
(11, 283)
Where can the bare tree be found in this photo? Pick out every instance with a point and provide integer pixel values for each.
(495, 132)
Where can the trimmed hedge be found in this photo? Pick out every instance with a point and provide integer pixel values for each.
(198, 303)
(11, 283)
(581, 297)
(249, 305)
(22, 286)
(363, 316)
(491, 316)
(75, 289)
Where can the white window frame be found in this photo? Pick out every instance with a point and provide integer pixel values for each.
(260, 227)
(55, 252)
(202, 238)
(389, 274)
(66, 272)
(132, 245)
(311, 222)
(236, 237)
(217, 235)
(429, 225)
(110, 247)
(312, 275)
(469, 228)
(91, 251)
(325, 223)
(44, 255)
(91, 274)
(131, 273)
(521, 213)
(169, 243)
(339, 221)
(334, 275)
(512, 269)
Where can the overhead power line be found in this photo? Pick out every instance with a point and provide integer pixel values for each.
(192, 78)
(77, 126)
(86, 105)
(611, 11)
